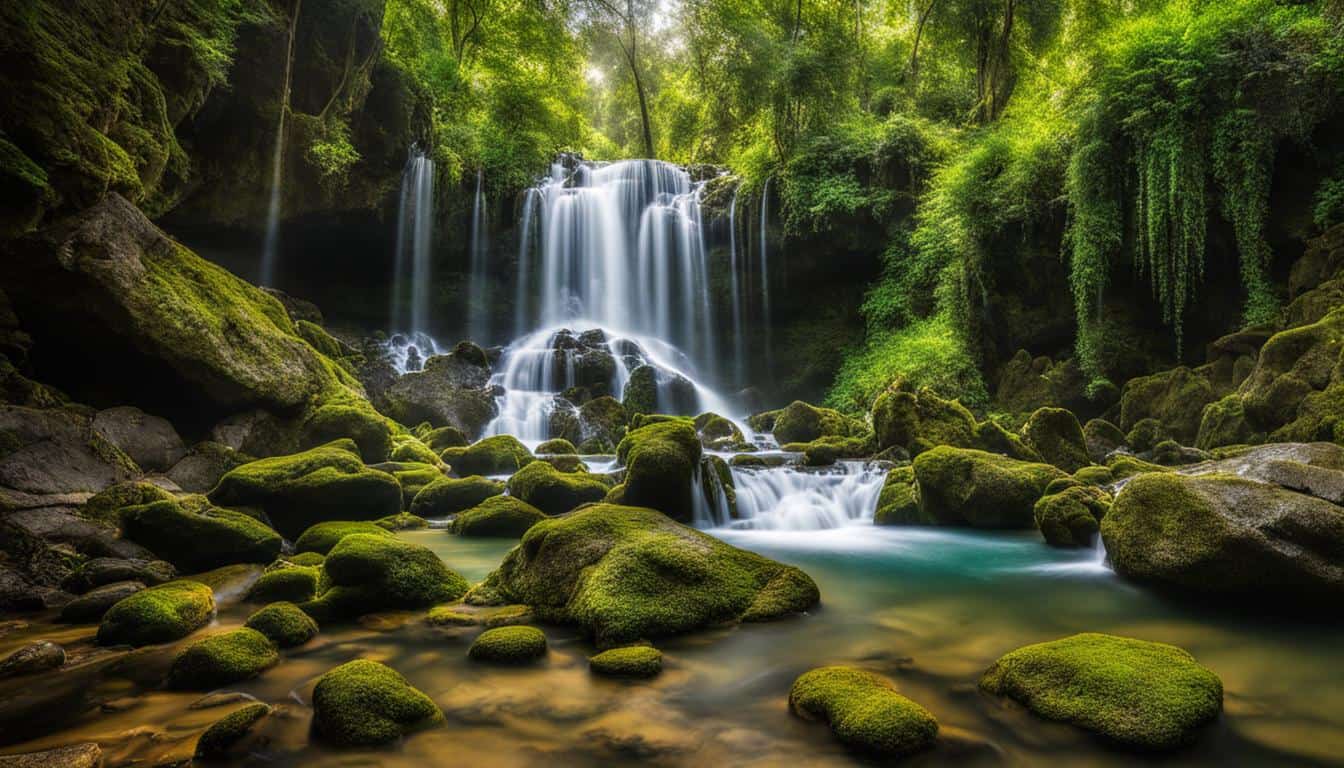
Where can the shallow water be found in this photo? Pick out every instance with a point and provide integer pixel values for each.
(930, 608)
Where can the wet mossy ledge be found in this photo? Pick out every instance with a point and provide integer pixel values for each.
(624, 574)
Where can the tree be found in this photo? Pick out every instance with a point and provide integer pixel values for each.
(623, 20)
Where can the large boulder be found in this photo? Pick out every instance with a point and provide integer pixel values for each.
(325, 483)
(195, 535)
(222, 659)
(496, 455)
(602, 422)
(450, 495)
(628, 573)
(57, 451)
(500, 516)
(451, 390)
(1226, 536)
(149, 440)
(1296, 390)
(555, 492)
(1133, 693)
(1072, 517)
(959, 486)
(363, 703)
(651, 389)
(800, 422)
(365, 573)
(203, 465)
(1055, 434)
(158, 615)
(661, 460)
(1175, 398)
(864, 710)
(916, 420)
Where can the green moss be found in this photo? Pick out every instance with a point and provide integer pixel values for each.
(403, 521)
(747, 460)
(409, 449)
(413, 476)
(1137, 694)
(443, 438)
(1055, 434)
(158, 615)
(447, 496)
(864, 711)
(508, 645)
(661, 460)
(228, 657)
(197, 536)
(1175, 398)
(365, 573)
(503, 516)
(311, 559)
(322, 537)
(305, 488)
(552, 491)
(630, 661)
(498, 455)
(1094, 475)
(364, 703)
(1125, 466)
(106, 505)
(1072, 516)
(1102, 437)
(627, 573)
(295, 583)
(461, 615)
(799, 422)
(1146, 434)
(991, 436)
(284, 624)
(222, 734)
(913, 420)
(371, 431)
(898, 504)
(556, 446)
(1224, 423)
(966, 487)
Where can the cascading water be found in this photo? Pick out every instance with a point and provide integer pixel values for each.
(792, 498)
(414, 264)
(766, 321)
(739, 357)
(478, 316)
(271, 245)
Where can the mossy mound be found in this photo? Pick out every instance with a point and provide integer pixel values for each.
(284, 624)
(408, 449)
(1072, 517)
(508, 645)
(898, 504)
(364, 703)
(322, 537)
(1094, 475)
(555, 492)
(412, 476)
(221, 659)
(864, 711)
(799, 422)
(402, 521)
(959, 486)
(1146, 434)
(1101, 437)
(223, 734)
(1134, 693)
(324, 483)
(462, 615)
(557, 446)
(992, 436)
(444, 437)
(1055, 434)
(627, 573)
(291, 582)
(1123, 466)
(917, 420)
(107, 505)
(1174, 398)
(502, 516)
(370, 431)
(304, 558)
(631, 661)
(366, 574)
(497, 455)
(158, 615)
(661, 460)
(448, 496)
(195, 536)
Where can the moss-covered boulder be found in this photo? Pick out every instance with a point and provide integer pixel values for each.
(444, 437)
(500, 516)
(285, 581)
(1296, 390)
(602, 421)
(449, 391)
(488, 616)
(638, 661)
(557, 446)
(1175, 398)
(555, 492)
(106, 505)
(412, 476)
(800, 422)
(448, 495)
(194, 535)
(408, 449)
(1094, 475)
(221, 659)
(284, 624)
(322, 537)
(898, 504)
(1055, 434)
(402, 521)
(363, 703)
(1224, 423)
(628, 573)
(958, 486)
(369, 430)
(917, 420)
(158, 615)
(366, 574)
(864, 710)
(1146, 434)
(508, 645)
(1133, 693)
(1227, 536)
(661, 460)
(325, 483)
(497, 455)
(1101, 438)
(1072, 517)
(992, 436)
(1123, 466)
(219, 739)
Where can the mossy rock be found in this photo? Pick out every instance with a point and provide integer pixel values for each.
(364, 574)
(325, 483)
(409, 449)
(363, 703)
(1072, 517)
(661, 460)
(220, 738)
(596, 446)
(916, 420)
(556, 446)
(993, 437)
(1101, 438)
(159, 614)
(311, 559)
(370, 430)
(639, 661)
(1224, 423)
(284, 624)
(1295, 392)
(1055, 434)
(294, 583)
(602, 422)
(403, 521)
(627, 573)
(1133, 693)
(1124, 466)
(864, 710)
(565, 462)
(799, 422)
(1094, 475)
(898, 504)
(448, 496)
(497, 455)
(747, 460)
(228, 657)
(413, 476)
(196, 536)
(322, 537)
(959, 486)
(1146, 434)
(552, 491)
(443, 438)
(106, 506)
(1175, 398)
(462, 615)
(499, 516)
(508, 645)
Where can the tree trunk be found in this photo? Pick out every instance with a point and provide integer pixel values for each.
(914, 49)
(632, 54)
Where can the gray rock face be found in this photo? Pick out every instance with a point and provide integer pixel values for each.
(90, 607)
(149, 440)
(88, 755)
(38, 657)
(17, 593)
(204, 464)
(57, 451)
(60, 525)
(452, 390)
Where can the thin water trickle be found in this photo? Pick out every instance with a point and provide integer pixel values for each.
(271, 245)
(478, 313)
(415, 239)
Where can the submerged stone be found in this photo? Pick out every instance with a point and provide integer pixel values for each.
(228, 657)
(508, 645)
(864, 711)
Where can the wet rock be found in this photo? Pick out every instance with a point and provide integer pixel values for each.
(158, 615)
(918, 420)
(450, 495)
(552, 491)
(651, 389)
(38, 657)
(495, 455)
(149, 440)
(195, 535)
(499, 516)
(984, 490)
(640, 661)
(220, 739)
(222, 659)
(364, 703)
(661, 460)
(88, 755)
(366, 574)
(451, 390)
(1101, 437)
(17, 593)
(508, 645)
(200, 470)
(864, 711)
(108, 570)
(91, 606)
(1175, 398)
(61, 525)
(57, 451)
(602, 421)
(1055, 434)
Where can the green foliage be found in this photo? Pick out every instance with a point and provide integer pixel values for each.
(1329, 203)
(928, 353)
(332, 154)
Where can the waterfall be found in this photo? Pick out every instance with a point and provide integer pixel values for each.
(271, 245)
(739, 369)
(478, 314)
(521, 298)
(801, 499)
(415, 241)
(766, 319)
